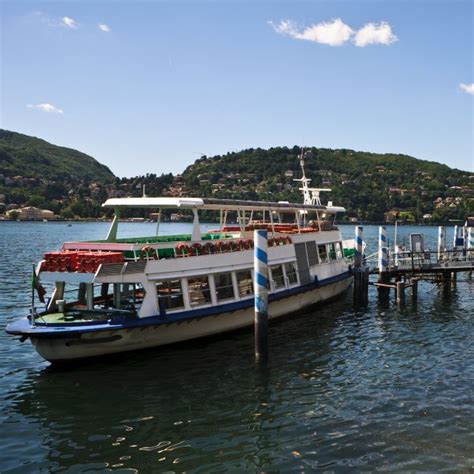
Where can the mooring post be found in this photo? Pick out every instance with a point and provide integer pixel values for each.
(470, 247)
(446, 281)
(365, 288)
(359, 246)
(261, 295)
(455, 241)
(470, 241)
(464, 232)
(383, 259)
(414, 289)
(400, 293)
(441, 241)
(361, 277)
(383, 263)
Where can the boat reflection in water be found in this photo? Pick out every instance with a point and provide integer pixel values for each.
(202, 403)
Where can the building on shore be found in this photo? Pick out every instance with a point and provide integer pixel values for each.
(31, 213)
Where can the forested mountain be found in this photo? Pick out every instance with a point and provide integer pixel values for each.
(36, 173)
(367, 184)
(72, 184)
(21, 154)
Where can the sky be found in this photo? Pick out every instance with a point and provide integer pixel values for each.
(150, 86)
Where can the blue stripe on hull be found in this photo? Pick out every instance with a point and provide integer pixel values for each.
(22, 326)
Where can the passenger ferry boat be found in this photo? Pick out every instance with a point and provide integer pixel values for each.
(124, 294)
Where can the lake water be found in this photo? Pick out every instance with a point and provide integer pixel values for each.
(374, 389)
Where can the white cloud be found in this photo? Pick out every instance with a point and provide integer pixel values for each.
(332, 33)
(45, 107)
(69, 22)
(103, 27)
(468, 88)
(374, 33)
(285, 27)
(336, 33)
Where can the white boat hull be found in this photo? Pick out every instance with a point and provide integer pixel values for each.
(130, 339)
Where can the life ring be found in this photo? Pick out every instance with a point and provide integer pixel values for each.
(183, 250)
(147, 253)
(208, 248)
(196, 248)
(244, 244)
(222, 246)
(234, 246)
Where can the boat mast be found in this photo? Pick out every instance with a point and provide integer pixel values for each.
(311, 196)
(304, 181)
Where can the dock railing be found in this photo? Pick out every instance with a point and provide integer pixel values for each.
(408, 260)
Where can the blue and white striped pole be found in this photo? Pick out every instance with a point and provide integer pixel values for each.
(261, 295)
(441, 241)
(465, 238)
(383, 251)
(455, 237)
(359, 246)
(470, 240)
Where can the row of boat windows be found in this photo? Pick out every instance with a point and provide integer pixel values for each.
(172, 293)
(189, 293)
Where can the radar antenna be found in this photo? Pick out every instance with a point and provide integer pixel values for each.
(311, 196)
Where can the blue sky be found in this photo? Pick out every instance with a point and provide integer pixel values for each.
(160, 83)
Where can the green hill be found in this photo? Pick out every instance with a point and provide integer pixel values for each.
(36, 173)
(367, 184)
(22, 155)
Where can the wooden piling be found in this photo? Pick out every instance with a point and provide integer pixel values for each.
(361, 286)
(446, 281)
(382, 290)
(261, 296)
(366, 286)
(361, 274)
(414, 289)
(400, 293)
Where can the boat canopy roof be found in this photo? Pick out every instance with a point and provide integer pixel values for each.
(214, 204)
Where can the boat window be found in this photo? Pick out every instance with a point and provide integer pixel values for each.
(339, 250)
(170, 294)
(199, 292)
(277, 276)
(123, 296)
(245, 283)
(332, 252)
(290, 270)
(224, 286)
(323, 255)
(129, 297)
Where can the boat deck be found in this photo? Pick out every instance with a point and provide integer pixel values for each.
(76, 316)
